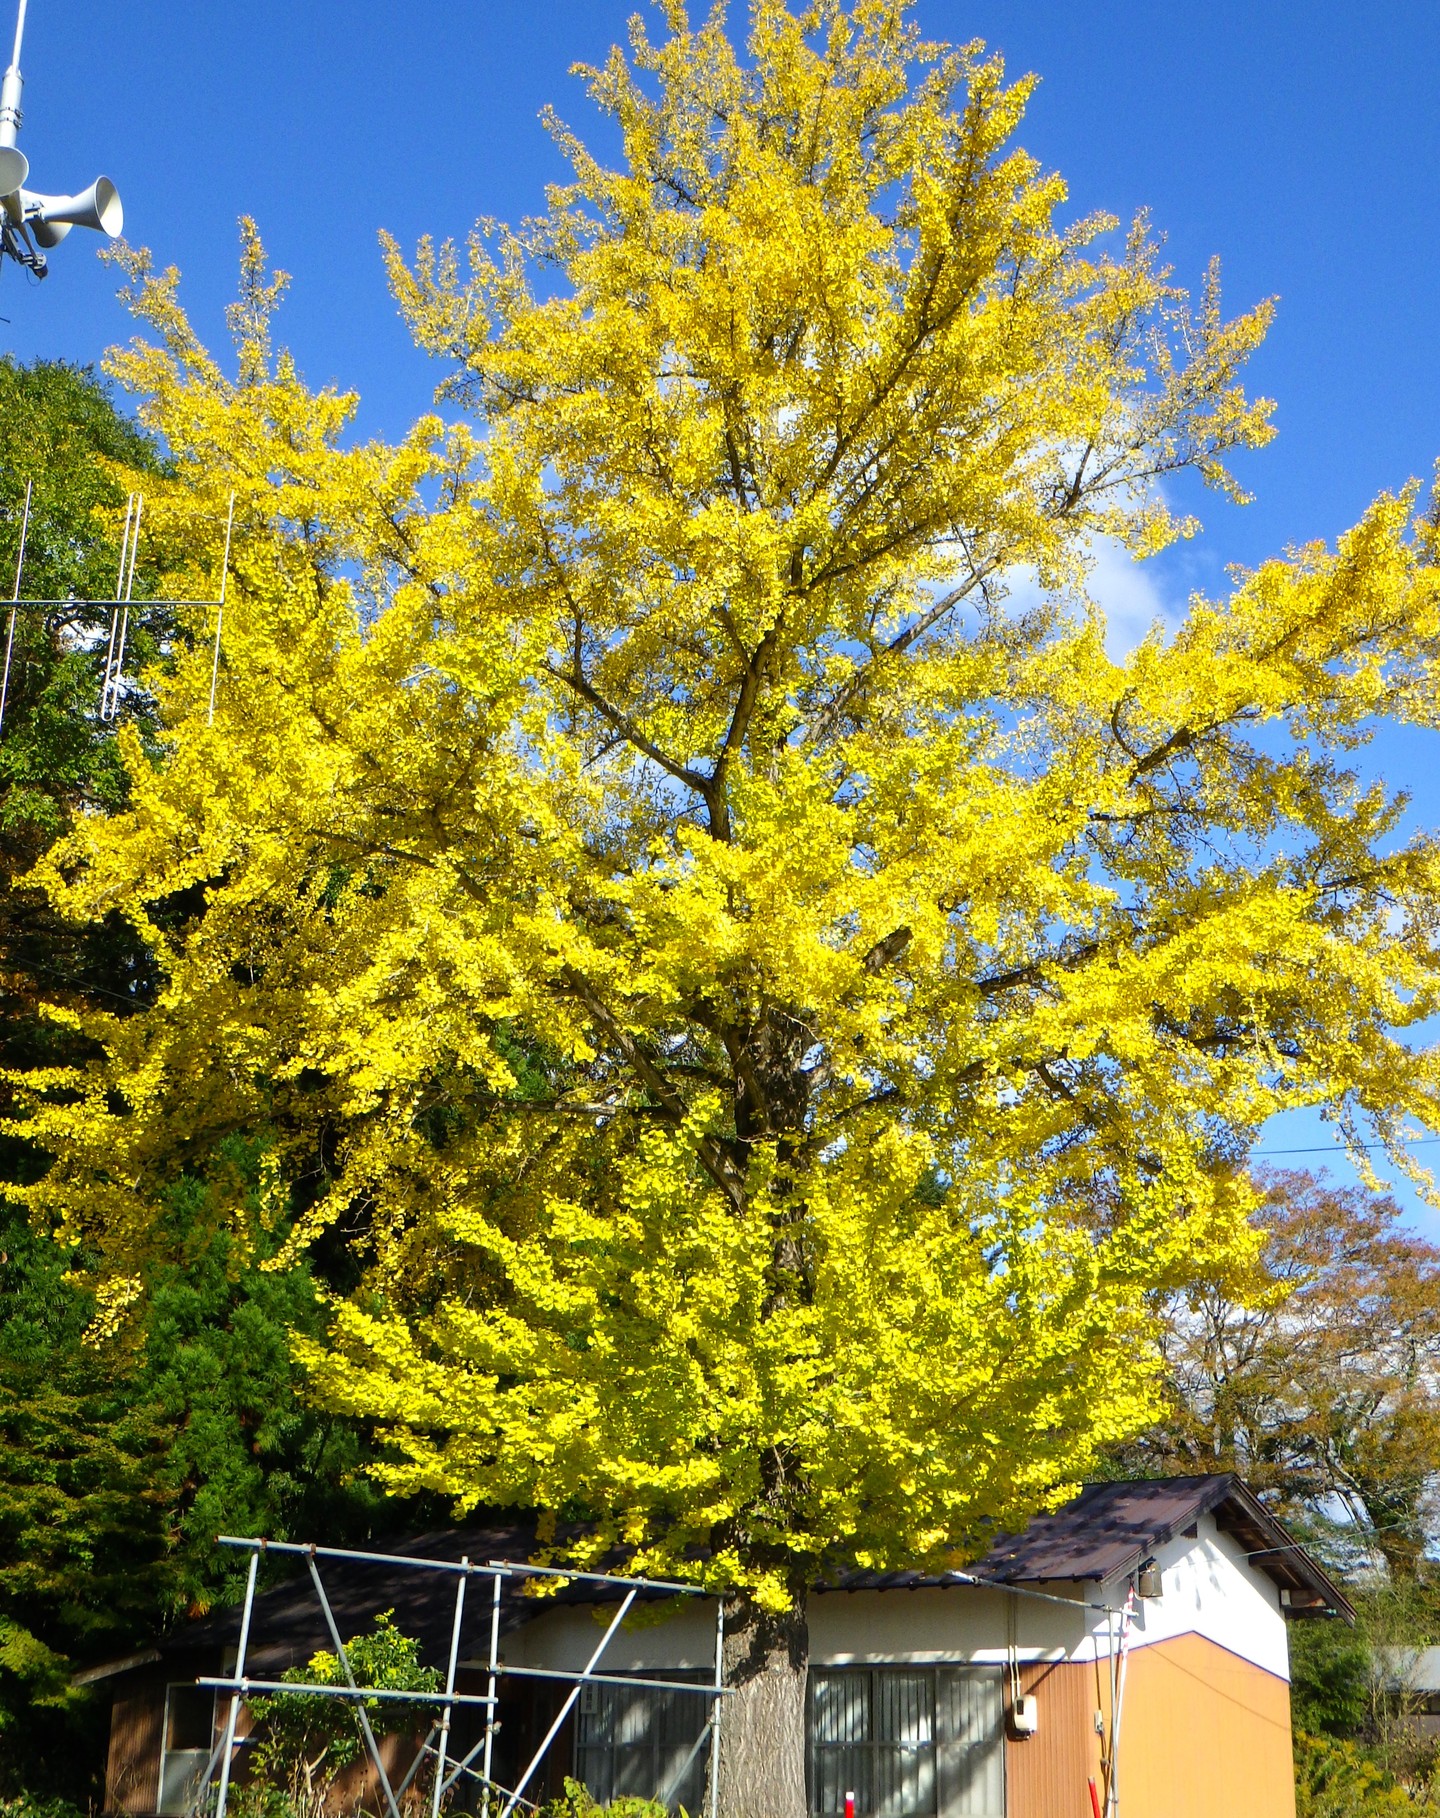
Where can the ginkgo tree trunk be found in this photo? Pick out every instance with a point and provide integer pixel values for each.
(763, 1004)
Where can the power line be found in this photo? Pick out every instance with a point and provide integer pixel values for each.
(74, 978)
(1416, 1142)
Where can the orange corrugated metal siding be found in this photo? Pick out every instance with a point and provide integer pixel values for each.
(1203, 1732)
(1045, 1774)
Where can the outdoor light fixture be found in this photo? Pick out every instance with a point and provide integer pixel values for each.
(31, 224)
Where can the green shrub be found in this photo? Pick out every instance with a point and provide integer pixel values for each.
(1336, 1779)
(305, 1743)
(1330, 1672)
(28, 1806)
(576, 1802)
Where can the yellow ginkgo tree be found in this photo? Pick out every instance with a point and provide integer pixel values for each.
(763, 997)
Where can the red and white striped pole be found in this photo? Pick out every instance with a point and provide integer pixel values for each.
(849, 1805)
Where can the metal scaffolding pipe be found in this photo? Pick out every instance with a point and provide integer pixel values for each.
(493, 1687)
(350, 1694)
(15, 598)
(235, 1696)
(460, 1584)
(715, 1708)
(362, 1715)
(652, 1685)
(510, 1568)
(240, 1686)
(569, 1704)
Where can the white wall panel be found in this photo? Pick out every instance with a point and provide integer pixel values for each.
(1208, 1588)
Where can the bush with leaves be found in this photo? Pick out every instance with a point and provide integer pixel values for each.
(305, 1743)
(1337, 1779)
(1331, 1671)
(26, 1805)
(576, 1802)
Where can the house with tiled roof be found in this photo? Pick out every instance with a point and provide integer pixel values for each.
(1127, 1654)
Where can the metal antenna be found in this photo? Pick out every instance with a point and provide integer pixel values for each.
(125, 617)
(115, 615)
(19, 569)
(220, 609)
(113, 666)
(14, 165)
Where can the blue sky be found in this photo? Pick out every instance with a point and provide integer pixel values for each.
(1300, 142)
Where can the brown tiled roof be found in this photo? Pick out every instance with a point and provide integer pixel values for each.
(1111, 1528)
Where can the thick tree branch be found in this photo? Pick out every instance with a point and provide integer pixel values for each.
(1180, 740)
(628, 730)
(712, 1158)
(886, 950)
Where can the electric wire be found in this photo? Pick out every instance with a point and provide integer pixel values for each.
(1415, 1142)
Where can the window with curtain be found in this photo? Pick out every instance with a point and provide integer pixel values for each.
(633, 1741)
(909, 1742)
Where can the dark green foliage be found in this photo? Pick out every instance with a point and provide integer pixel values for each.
(1330, 1665)
(119, 1461)
(83, 1533)
(244, 1453)
(1359, 1747)
(60, 430)
(25, 1805)
(85, 1538)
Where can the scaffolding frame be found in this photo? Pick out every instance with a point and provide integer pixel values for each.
(119, 607)
(448, 1772)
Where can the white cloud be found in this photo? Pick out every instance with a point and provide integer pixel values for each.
(1130, 596)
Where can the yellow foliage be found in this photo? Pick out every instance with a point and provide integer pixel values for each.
(766, 1012)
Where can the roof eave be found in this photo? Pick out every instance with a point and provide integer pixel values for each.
(1288, 1564)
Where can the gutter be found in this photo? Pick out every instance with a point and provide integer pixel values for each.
(107, 1669)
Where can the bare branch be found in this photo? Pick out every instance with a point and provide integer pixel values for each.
(712, 1158)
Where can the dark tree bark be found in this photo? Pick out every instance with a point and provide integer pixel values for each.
(762, 1722)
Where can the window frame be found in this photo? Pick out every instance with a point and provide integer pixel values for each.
(169, 1754)
(655, 1745)
(871, 1745)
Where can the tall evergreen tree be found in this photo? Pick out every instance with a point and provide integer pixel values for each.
(121, 1456)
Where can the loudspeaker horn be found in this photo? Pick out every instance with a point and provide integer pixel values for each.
(14, 169)
(51, 217)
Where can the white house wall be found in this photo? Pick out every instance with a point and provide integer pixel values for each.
(565, 1638)
(869, 1627)
(1208, 1588)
